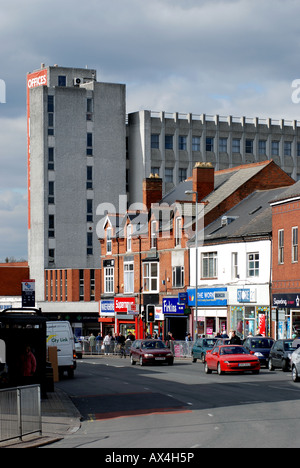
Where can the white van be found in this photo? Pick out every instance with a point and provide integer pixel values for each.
(60, 334)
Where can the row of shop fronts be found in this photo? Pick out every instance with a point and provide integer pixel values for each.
(246, 309)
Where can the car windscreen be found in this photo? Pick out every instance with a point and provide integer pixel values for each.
(153, 345)
(209, 343)
(261, 343)
(288, 346)
(232, 350)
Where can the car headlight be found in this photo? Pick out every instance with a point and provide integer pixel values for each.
(169, 355)
(258, 354)
(148, 355)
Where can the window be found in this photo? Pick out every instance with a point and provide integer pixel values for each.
(50, 159)
(155, 141)
(155, 170)
(169, 142)
(89, 177)
(275, 148)
(50, 123)
(287, 148)
(223, 145)
(50, 104)
(89, 144)
(169, 174)
(92, 285)
(234, 265)
(281, 246)
(128, 277)
(128, 237)
(51, 254)
(262, 147)
(249, 146)
(209, 265)
(51, 192)
(108, 241)
(196, 143)
(108, 279)
(298, 149)
(89, 210)
(236, 145)
(182, 174)
(295, 244)
(209, 144)
(51, 231)
(153, 235)
(89, 109)
(62, 80)
(182, 143)
(178, 223)
(89, 243)
(178, 277)
(81, 285)
(252, 264)
(150, 274)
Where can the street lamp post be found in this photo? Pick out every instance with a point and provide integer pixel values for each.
(191, 192)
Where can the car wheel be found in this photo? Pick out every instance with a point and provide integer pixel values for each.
(194, 359)
(220, 372)
(132, 361)
(203, 358)
(206, 369)
(284, 365)
(270, 365)
(170, 363)
(141, 361)
(295, 375)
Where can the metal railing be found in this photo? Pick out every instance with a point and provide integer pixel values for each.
(179, 348)
(20, 412)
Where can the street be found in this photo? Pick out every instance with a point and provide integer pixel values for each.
(179, 406)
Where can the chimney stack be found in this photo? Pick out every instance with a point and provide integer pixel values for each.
(152, 190)
(203, 179)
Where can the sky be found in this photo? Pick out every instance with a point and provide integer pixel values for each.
(226, 57)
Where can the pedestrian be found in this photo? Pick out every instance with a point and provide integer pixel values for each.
(92, 341)
(107, 343)
(188, 337)
(28, 365)
(234, 338)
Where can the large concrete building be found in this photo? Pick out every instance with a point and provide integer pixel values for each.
(170, 144)
(76, 163)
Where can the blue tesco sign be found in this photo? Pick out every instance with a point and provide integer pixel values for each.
(171, 306)
(107, 308)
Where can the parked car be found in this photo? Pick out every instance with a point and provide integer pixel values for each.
(150, 352)
(280, 355)
(78, 348)
(261, 347)
(231, 358)
(201, 346)
(60, 335)
(295, 365)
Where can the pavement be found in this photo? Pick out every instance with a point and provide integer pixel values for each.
(60, 418)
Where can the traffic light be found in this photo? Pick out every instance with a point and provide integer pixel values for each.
(150, 313)
(143, 315)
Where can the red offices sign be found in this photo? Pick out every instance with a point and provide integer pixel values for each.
(122, 304)
(39, 78)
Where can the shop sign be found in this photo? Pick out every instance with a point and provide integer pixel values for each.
(107, 308)
(288, 301)
(246, 295)
(123, 303)
(208, 297)
(183, 298)
(28, 293)
(171, 306)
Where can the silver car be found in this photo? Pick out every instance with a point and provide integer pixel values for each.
(295, 365)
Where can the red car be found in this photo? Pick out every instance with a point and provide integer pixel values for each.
(231, 358)
(150, 352)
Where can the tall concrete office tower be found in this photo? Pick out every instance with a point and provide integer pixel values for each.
(76, 162)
